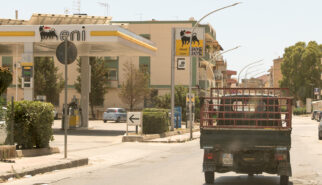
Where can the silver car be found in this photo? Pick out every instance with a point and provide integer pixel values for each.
(114, 114)
(320, 131)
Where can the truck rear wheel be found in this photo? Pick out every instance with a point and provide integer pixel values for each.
(209, 177)
(284, 180)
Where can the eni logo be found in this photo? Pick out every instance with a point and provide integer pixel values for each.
(47, 33)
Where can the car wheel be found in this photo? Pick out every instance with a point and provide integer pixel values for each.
(105, 121)
(118, 120)
(210, 177)
(284, 180)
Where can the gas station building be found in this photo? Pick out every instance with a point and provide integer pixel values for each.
(147, 44)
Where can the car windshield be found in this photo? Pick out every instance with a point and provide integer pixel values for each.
(122, 110)
(111, 110)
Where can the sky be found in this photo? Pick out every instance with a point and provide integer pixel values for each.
(263, 28)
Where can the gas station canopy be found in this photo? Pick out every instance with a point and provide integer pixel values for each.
(92, 40)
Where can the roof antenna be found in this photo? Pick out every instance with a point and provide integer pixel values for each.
(106, 5)
(77, 5)
(16, 14)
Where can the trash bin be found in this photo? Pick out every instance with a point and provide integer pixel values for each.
(177, 117)
(74, 119)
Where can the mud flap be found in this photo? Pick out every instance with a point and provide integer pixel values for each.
(284, 169)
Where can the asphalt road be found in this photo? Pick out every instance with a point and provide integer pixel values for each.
(180, 164)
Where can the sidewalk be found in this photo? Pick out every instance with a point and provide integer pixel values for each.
(176, 138)
(101, 141)
(35, 165)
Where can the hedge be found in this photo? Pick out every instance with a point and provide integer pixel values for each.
(33, 122)
(299, 111)
(155, 121)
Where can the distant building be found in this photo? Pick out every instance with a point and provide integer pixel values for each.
(230, 82)
(265, 80)
(252, 83)
(276, 72)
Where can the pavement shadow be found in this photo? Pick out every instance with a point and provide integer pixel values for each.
(245, 180)
(89, 132)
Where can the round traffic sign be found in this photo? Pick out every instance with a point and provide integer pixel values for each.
(71, 52)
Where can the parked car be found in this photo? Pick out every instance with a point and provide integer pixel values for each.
(316, 115)
(320, 130)
(114, 114)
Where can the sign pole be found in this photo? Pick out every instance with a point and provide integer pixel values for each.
(172, 76)
(190, 93)
(65, 103)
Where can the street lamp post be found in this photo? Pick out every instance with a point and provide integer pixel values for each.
(250, 67)
(245, 68)
(214, 58)
(190, 80)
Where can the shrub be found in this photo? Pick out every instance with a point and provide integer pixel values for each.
(180, 100)
(155, 110)
(5, 79)
(32, 123)
(155, 121)
(299, 111)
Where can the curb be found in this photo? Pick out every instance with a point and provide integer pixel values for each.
(69, 164)
(149, 137)
(171, 141)
(36, 152)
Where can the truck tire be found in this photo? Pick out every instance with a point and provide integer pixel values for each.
(284, 180)
(104, 121)
(210, 177)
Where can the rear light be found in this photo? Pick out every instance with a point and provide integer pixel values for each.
(115, 110)
(280, 157)
(209, 156)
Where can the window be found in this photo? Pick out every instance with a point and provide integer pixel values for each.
(144, 64)
(112, 74)
(111, 110)
(7, 62)
(112, 65)
(122, 110)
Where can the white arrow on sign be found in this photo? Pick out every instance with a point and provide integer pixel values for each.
(134, 118)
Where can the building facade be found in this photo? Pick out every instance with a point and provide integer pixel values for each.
(158, 65)
(276, 72)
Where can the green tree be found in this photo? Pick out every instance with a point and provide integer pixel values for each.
(5, 79)
(135, 86)
(179, 100)
(47, 80)
(301, 69)
(99, 82)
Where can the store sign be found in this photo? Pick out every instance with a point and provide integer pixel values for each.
(183, 37)
(52, 33)
(181, 63)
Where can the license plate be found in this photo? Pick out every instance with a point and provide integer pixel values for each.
(227, 159)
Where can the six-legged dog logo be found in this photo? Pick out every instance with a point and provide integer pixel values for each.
(47, 32)
(186, 39)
